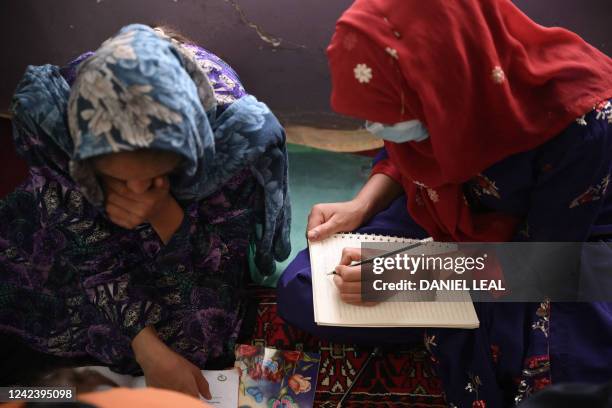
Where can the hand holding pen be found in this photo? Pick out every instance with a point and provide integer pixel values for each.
(383, 255)
(347, 275)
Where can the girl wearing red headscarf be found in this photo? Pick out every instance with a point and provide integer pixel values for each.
(496, 129)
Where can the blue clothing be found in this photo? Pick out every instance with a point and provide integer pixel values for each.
(142, 90)
(74, 284)
(560, 191)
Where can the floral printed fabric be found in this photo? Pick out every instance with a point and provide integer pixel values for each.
(74, 284)
(143, 90)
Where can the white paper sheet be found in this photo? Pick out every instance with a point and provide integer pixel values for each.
(223, 384)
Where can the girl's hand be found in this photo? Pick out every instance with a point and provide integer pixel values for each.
(348, 278)
(327, 219)
(128, 209)
(164, 368)
(156, 206)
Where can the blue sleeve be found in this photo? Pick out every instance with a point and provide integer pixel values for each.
(571, 182)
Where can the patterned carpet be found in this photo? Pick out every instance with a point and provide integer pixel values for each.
(397, 378)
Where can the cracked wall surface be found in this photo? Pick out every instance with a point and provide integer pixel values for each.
(277, 46)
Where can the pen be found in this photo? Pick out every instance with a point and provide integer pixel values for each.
(390, 253)
(365, 365)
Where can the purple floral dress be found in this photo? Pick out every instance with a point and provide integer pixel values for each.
(73, 284)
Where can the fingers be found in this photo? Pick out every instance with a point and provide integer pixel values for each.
(161, 183)
(347, 287)
(322, 222)
(349, 273)
(350, 292)
(315, 218)
(327, 219)
(324, 230)
(348, 278)
(355, 299)
(348, 282)
(159, 188)
(118, 186)
(128, 205)
(202, 384)
(351, 298)
(158, 182)
(191, 390)
(121, 217)
(128, 209)
(148, 197)
(350, 255)
(118, 216)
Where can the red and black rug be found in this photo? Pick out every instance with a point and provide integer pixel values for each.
(397, 378)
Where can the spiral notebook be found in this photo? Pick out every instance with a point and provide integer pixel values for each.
(329, 310)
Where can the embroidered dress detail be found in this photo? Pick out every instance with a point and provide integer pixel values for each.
(433, 195)
(593, 193)
(392, 52)
(604, 111)
(498, 75)
(363, 73)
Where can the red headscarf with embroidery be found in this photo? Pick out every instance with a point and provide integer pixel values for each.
(486, 81)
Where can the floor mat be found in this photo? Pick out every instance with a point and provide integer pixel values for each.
(397, 378)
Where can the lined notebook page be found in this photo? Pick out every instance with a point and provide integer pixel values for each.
(329, 310)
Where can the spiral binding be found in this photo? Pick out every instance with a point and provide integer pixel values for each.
(388, 238)
(376, 237)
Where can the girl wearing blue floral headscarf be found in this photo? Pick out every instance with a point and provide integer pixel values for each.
(152, 176)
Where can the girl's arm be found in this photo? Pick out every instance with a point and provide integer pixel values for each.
(379, 191)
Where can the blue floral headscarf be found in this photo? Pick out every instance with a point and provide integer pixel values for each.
(142, 90)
